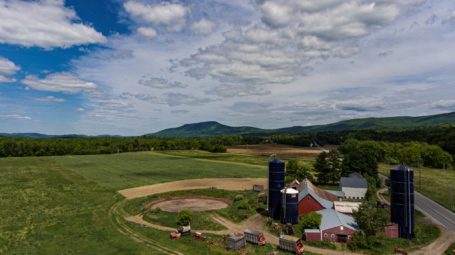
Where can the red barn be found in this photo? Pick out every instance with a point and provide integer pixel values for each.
(336, 227)
(311, 198)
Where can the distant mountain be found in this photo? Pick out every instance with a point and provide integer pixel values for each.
(209, 128)
(213, 128)
(38, 135)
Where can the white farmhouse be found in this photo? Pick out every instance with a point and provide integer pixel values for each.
(354, 186)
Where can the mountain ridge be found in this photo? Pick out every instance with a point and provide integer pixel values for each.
(213, 128)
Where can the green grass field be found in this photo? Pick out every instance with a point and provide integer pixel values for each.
(61, 205)
(50, 209)
(434, 183)
(126, 170)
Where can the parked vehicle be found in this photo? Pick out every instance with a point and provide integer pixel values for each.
(254, 236)
(184, 230)
(175, 235)
(292, 244)
(198, 236)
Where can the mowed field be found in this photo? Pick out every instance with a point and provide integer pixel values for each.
(61, 205)
(126, 170)
(283, 151)
(434, 183)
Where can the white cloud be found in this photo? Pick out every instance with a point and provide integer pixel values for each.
(160, 83)
(50, 99)
(147, 32)
(292, 34)
(59, 82)
(172, 16)
(45, 23)
(14, 117)
(7, 68)
(202, 26)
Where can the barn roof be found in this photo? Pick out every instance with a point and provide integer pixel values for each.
(321, 196)
(355, 180)
(332, 219)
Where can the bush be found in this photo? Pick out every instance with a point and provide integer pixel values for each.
(184, 218)
(310, 221)
(358, 241)
(239, 197)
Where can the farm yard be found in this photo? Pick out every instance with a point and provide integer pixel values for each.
(72, 204)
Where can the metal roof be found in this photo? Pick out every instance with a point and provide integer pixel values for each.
(321, 196)
(337, 193)
(355, 180)
(346, 207)
(312, 231)
(331, 219)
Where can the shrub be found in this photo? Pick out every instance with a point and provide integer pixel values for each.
(184, 218)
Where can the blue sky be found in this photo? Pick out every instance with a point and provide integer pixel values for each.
(136, 66)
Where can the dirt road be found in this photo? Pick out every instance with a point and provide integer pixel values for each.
(207, 183)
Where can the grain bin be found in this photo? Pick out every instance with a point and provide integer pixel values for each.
(290, 209)
(276, 184)
(402, 200)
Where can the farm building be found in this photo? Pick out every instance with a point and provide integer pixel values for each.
(335, 227)
(312, 198)
(354, 186)
(346, 207)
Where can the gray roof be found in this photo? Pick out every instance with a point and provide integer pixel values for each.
(355, 180)
(309, 189)
(337, 193)
(312, 231)
(331, 219)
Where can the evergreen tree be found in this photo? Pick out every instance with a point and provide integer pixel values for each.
(322, 168)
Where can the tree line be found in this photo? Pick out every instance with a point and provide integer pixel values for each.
(22, 147)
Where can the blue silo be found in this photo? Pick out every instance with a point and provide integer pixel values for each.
(402, 200)
(276, 184)
(290, 209)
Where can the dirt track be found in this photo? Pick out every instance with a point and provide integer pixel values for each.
(218, 183)
(192, 204)
(280, 150)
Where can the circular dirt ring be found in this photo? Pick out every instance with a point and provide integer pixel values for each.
(192, 204)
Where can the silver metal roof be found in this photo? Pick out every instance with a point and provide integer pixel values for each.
(331, 219)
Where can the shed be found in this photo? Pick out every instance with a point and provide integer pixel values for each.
(313, 235)
(235, 241)
(391, 230)
(354, 186)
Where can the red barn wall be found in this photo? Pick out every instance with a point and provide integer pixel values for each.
(309, 204)
(327, 234)
(313, 236)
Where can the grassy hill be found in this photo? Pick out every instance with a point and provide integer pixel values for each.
(213, 128)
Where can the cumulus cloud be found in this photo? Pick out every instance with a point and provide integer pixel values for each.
(147, 32)
(160, 83)
(50, 99)
(202, 26)
(170, 15)
(291, 35)
(58, 82)
(176, 99)
(14, 117)
(7, 69)
(231, 90)
(45, 23)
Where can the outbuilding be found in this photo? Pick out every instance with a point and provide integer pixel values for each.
(354, 186)
(312, 198)
(336, 227)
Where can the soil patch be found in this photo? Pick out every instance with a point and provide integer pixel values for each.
(194, 204)
(284, 151)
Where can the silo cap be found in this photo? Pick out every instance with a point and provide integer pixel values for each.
(402, 168)
(290, 191)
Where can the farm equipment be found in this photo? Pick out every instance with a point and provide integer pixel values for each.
(184, 230)
(235, 241)
(254, 236)
(289, 230)
(292, 244)
(198, 236)
(175, 235)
